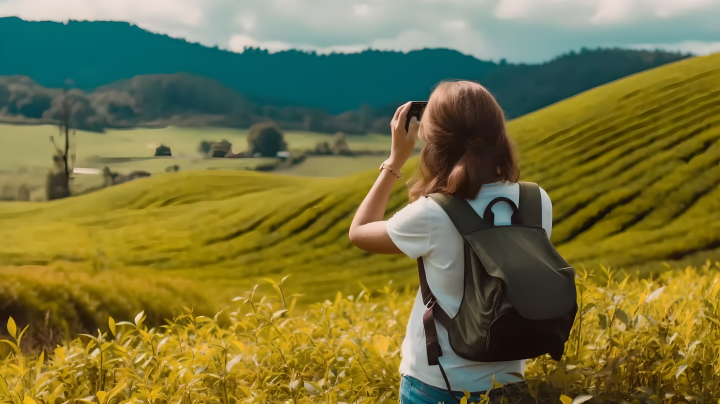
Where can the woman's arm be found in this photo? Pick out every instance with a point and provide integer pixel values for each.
(368, 230)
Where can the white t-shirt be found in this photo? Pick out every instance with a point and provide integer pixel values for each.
(423, 229)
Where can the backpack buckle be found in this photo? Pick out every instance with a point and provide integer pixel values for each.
(430, 303)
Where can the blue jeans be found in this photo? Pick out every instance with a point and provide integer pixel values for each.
(413, 391)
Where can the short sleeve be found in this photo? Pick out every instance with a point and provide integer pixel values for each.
(410, 229)
(546, 212)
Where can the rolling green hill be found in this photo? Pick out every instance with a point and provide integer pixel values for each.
(632, 169)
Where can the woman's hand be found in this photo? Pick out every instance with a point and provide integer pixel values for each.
(403, 143)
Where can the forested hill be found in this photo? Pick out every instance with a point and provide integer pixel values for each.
(98, 53)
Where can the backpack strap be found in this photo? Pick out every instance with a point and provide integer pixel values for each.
(530, 204)
(433, 312)
(463, 216)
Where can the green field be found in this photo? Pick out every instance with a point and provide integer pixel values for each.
(26, 153)
(632, 169)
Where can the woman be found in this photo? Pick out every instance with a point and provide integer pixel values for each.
(467, 154)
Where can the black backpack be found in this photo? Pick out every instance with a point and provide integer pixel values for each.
(519, 300)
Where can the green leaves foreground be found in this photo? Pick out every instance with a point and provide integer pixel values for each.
(634, 341)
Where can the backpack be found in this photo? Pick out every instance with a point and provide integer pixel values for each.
(519, 299)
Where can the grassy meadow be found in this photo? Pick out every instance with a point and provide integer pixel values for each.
(632, 168)
(26, 153)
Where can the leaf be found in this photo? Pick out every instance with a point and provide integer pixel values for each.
(518, 375)
(111, 323)
(246, 391)
(312, 389)
(11, 327)
(19, 337)
(139, 318)
(623, 283)
(283, 279)
(292, 306)
(565, 399)
(239, 345)
(38, 365)
(274, 285)
(603, 321)
(101, 396)
(588, 307)
(278, 314)
(717, 323)
(622, 316)
(28, 400)
(654, 295)
(581, 398)
(12, 344)
(381, 343)
(715, 290)
(680, 370)
(232, 363)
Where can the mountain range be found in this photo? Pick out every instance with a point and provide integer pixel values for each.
(366, 86)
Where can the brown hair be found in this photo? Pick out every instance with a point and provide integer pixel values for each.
(466, 142)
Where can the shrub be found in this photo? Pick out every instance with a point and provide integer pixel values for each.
(340, 145)
(204, 147)
(265, 139)
(633, 341)
(163, 150)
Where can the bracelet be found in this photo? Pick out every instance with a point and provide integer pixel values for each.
(387, 167)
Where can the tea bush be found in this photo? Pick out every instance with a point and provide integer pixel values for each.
(634, 341)
(632, 168)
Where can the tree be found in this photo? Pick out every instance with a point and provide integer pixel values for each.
(341, 145)
(58, 185)
(205, 147)
(265, 139)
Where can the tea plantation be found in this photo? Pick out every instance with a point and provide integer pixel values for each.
(632, 169)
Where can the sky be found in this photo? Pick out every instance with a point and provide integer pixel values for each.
(528, 31)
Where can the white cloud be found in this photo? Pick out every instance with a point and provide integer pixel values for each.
(612, 11)
(361, 9)
(453, 25)
(512, 9)
(519, 30)
(247, 21)
(670, 8)
(569, 12)
(186, 12)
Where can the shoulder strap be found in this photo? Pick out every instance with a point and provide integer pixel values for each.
(463, 216)
(433, 312)
(530, 204)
